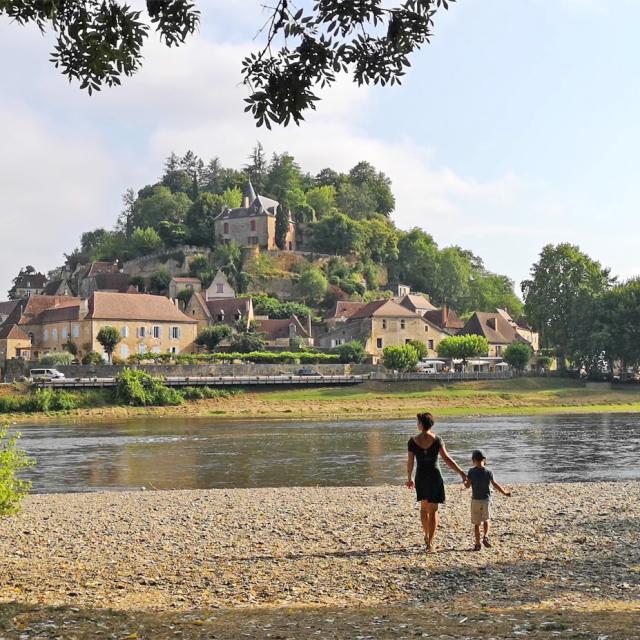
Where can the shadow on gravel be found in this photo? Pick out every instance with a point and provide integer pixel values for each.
(38, 622)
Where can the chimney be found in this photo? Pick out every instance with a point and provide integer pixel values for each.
(245, 202)
(84, 308)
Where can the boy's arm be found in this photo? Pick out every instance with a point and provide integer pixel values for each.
(500, 489)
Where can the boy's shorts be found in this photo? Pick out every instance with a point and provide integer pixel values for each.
(480, 511)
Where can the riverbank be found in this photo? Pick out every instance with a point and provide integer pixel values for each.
(524, 396)
(320, 562)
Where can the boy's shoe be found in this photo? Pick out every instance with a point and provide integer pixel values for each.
(486, 543)
(477, 546)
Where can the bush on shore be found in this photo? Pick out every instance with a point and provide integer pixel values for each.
(257, 357)
(140, 389)
(12, 460)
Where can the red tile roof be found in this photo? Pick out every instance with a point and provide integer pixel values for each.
(124, 306)
(278, 329)
(383, 309)
(444, 318)
(12, 332)
(492, 326)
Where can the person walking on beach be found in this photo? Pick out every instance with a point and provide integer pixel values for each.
(424, 449)
(481, 479)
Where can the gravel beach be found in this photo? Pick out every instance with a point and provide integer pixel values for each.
(321, 563)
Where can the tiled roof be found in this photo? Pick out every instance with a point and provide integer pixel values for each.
(261, 206)
(278, 329)
(32, 281)
(7, 307)
(104, 305)
(229, 307)
(101, 267)
(383, 309)
(34, 306)
(345, 309)
(12, 332)
(416, 303)
(492, 326)
(444, 318)
(186, 280)
(62, 313)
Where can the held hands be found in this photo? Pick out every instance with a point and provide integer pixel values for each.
(410, 484)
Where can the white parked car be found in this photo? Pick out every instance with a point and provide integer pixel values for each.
(427, 367)
(45, 374)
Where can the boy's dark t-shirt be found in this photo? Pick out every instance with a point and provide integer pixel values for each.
(480, 479)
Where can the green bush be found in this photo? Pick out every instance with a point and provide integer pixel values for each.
(401, 357)
(56, 359)
(351, 352)
(258, 357)
(12, 461)
(93, 357)
(138, 388)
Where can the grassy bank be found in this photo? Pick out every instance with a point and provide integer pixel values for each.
(525, 396)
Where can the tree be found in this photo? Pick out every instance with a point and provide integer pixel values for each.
(400, 358)
(211, 337)
(553, 296)
(257, 168)
(248, 342)
(517, 355)
(158, 205)
(322, 199)
(351, 352)
(312, 285)
(159, 281)
(418, 262)
(452, 278)
(463, 347)
(99, 42)
(284, 175)
(108, 337)
(420, 347)
(338, 234)
(13, 461)
(145, 241)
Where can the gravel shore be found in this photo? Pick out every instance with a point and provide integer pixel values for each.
(321, 562)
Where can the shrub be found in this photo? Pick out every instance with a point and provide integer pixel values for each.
(517, 355)
(12, 461)
(93, 357)
(420, 347)
(57, 359)
(210, 337)
(400, 358)
(350, 352)
(108, 337)
(138, 388)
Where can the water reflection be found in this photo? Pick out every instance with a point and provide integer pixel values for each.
(172, 453)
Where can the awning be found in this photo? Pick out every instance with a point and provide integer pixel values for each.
(502, 364)
(477, 362)
(430, 361)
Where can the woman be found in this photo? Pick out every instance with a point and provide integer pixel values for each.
(429, 485)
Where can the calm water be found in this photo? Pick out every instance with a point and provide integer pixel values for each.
(170, 453)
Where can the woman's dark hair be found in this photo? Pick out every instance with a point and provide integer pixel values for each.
(426, 420)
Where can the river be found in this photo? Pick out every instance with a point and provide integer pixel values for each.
(200, 453)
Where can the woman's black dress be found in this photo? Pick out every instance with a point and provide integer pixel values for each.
(428, 481)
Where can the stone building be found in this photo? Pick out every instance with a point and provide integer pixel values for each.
(254, 223)
(231, 311)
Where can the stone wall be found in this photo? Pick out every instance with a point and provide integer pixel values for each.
(17, 369)
(175, 261)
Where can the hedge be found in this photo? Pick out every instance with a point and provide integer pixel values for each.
(258, 357)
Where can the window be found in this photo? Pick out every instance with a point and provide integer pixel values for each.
(426, 327)
(75, 330)
(124, 332)
(142, 332)
(175, 333)
(384, 324)
(226, 227)
(403, 324)
(221, 317)
(142, 348)
(173, 350)
(498, 350)
(430, 344)
(54, 334)
(379, 343)
(156, 349)
(65, 333)
(45, 334)
(156, 331)
(237, 316)
(124, 351)
(220, 288)
(407, 340)
(253, 225)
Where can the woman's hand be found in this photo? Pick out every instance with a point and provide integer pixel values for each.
(464, 479)
(410, 484)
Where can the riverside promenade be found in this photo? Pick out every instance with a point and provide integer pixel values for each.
(321, 563)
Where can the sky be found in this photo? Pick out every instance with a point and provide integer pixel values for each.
(516, 127)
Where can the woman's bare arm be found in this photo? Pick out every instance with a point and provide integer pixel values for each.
(410, 459)
(452, 463)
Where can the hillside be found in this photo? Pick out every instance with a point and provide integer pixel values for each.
(344, 215)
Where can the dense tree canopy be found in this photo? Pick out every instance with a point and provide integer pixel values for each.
(99, 41)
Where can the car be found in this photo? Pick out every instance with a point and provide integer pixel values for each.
(45, 374)
(308, 372)
(426, 367)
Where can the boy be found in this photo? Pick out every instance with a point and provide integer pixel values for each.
(480, 479)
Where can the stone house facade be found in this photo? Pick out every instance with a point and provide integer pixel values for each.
(230, 311)
(496, 329)
(254, 223)
(220, 287)
(281, 332)
(382, 324)
(179, 284)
